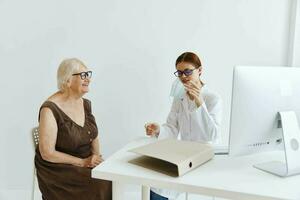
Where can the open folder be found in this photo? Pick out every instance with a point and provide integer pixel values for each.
(173, 157)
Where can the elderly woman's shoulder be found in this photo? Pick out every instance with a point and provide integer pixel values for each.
(54, 97)
(87, 103)
(87, 100)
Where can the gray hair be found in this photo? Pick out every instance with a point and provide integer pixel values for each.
(65, 70)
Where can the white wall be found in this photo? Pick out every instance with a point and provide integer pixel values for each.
(131, 46)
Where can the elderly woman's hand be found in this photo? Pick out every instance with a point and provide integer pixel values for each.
(95, 160)
(92, 161)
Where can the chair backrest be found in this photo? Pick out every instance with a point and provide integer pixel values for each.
(35, 136)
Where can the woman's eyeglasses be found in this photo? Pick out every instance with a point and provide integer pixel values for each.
(186, 72)
(84, 75)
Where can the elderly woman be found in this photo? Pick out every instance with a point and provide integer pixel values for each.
(195, 114)
(69, 147)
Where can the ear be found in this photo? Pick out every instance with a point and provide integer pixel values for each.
(68, 83)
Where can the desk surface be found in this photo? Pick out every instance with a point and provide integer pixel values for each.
(223, 176)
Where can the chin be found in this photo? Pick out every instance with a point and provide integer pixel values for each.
(85, 89)
(84, 92)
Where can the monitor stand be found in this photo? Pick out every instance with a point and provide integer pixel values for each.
(291, 139)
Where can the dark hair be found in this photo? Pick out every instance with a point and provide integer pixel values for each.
(189, 57)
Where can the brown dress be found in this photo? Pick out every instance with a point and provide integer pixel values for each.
(65, 181)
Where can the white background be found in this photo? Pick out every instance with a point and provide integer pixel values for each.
(131, 46)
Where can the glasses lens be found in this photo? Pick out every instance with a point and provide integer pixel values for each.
(188, 72)
(89, 74)
(83, 75)
(178, 73)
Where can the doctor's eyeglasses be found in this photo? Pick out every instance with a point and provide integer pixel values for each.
(186, 72)
(84, 75)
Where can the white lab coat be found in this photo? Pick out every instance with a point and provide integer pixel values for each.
(192, 124)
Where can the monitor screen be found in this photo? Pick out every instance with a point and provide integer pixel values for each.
(258, 94)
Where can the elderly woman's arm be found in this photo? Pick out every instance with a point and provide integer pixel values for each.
(95, 146)
(96, 156)
(47, 142)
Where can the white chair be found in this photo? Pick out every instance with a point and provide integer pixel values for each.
(35, 139)
(35, 136)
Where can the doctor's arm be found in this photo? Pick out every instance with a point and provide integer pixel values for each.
(208, 118)
(170, 128)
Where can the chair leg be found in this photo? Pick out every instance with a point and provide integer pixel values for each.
(145, 192)
(33, 185)
(186, 196)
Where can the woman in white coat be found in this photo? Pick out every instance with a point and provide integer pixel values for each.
(195, 114)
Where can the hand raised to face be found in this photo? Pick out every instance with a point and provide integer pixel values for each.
(193, 89)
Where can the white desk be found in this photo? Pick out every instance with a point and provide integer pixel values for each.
(226, 177)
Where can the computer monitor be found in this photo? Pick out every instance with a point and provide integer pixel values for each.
(259, 93)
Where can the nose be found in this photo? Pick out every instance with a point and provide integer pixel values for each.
(184, 76)
(87, 79)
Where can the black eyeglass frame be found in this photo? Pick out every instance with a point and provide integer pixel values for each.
(84, 75)
(186, 72)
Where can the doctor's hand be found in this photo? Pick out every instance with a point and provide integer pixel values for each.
(152, 129)
(193, 89)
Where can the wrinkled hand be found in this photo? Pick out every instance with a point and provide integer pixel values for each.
(152, 129)
(92, 161)
(193, 89)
